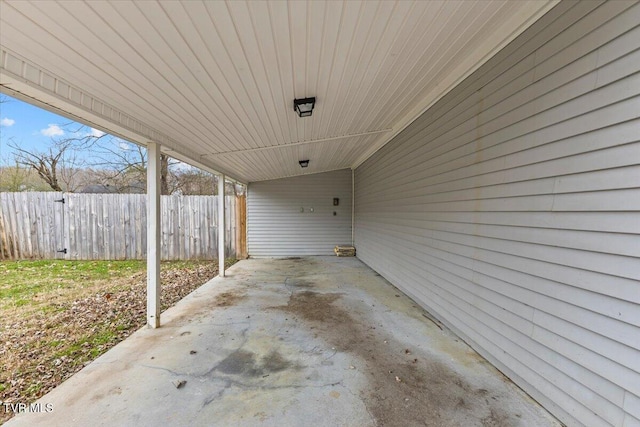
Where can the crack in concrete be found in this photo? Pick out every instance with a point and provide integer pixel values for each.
(227, 382)
(359, 397)
(333, 354)
(215, 396)
(160, 368)
(243, 334)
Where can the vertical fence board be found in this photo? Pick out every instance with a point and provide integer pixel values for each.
(53, 232)
(131, 236)
(12, 226)
(35, 215)
(4, 236)
(69, 227)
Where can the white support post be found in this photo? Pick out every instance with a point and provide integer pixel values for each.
(153, 235)
(353, 207)
(221, 226)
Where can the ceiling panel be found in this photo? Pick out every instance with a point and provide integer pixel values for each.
(323, 156)
(217, 79)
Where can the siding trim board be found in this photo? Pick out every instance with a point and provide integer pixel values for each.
(511, 211)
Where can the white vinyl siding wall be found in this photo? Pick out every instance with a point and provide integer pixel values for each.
(277, 228)
(510, 210)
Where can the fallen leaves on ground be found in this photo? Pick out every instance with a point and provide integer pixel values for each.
(40, 351)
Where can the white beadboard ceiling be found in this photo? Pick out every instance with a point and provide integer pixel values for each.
(214, 81)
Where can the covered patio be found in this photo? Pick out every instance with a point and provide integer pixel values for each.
(482, 156)
(318, 341)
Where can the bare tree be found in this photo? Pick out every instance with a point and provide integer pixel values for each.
(59, 163)
(124, 166)
(54, 165)
(193, 181)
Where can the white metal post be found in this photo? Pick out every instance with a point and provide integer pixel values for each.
(353, 206)
(153, 235)
(221, 225)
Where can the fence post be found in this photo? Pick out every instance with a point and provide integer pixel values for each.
(241, 227)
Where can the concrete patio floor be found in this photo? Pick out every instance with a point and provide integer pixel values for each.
(317, 341)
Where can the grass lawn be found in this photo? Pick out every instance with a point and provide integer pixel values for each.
(22, 282)
(56, 316)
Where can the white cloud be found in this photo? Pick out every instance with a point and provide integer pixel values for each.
(52, 130)
(7, 122)
(124, 146)
(96, 133)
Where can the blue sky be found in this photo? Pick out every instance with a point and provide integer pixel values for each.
(30, 127)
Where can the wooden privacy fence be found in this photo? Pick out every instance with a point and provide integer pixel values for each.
(113, 226)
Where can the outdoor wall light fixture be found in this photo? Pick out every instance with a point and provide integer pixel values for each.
(304, 106)
(304, 163)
